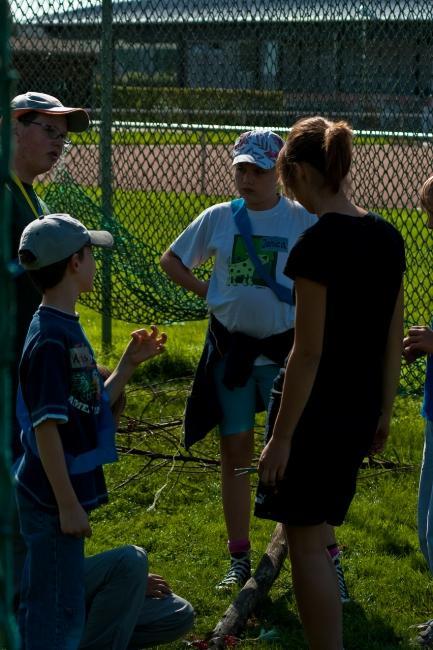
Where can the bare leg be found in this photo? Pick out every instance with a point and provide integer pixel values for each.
(330, 538)
(236, 451)
(315, 585)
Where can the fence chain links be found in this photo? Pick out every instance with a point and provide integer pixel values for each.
(185, 77)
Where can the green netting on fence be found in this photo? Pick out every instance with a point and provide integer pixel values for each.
(138, 285)
(169, 85)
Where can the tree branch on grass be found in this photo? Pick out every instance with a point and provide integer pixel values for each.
(182, 458)
(253, 592)
(383, 464)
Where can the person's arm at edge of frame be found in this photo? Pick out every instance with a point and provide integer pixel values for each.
(391, 373)
(417, 343)
(182, 275)
(300, 375)
(73, 518)
(144, 345)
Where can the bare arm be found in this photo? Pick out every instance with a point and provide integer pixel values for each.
(180, 274)
(73, 517)
(391, 373)
(300, 375)
(393, 355)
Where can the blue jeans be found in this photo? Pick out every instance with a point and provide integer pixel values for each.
(52, 611)
(425, 498)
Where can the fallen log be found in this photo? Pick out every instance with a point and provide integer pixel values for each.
(236, 616)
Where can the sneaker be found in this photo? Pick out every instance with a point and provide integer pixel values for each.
(425, 634)
(239, 572)
(344, 592)
(423, 626)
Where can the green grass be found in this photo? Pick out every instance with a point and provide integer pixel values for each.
(153, 217)
(185, 341)
(148, 136)
(185, 535)
(147, 222)
(141, 135)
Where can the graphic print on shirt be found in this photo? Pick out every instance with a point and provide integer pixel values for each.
(85, 381)
(241, 269)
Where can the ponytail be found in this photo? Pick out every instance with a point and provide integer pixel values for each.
(325, 145)
(338, 153)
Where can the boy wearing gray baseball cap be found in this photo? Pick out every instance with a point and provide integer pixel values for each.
(67, 430)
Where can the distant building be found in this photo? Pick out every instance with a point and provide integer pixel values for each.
(63, 68)
(374, 59)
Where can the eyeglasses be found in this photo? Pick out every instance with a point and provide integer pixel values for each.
(53, 133)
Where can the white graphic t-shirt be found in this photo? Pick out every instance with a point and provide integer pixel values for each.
(237, 295)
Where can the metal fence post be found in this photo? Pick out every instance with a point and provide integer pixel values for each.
(203, 156)
(8, 634)
(107, 56)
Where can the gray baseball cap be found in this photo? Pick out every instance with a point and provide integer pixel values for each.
(54, 237)
(77, 118)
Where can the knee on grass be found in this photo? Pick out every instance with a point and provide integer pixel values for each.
(134, 562)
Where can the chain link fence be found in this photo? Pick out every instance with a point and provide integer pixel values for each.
(171, 83)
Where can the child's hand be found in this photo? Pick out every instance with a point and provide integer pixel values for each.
(202, 288)
(419, 341)
(381, 434)
(273, 461)
(410, 355)
(157, 586)
(144, 345)
(74, 521)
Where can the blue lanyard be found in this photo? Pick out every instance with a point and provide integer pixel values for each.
(242, 221)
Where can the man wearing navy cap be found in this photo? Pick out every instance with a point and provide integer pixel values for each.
(40, 127)
(126, 606)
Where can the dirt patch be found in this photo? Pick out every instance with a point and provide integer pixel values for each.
(387, 176)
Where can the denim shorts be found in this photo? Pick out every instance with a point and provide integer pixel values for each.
(52, 607)
(239, 404)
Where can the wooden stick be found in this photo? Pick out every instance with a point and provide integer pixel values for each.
(236, 616)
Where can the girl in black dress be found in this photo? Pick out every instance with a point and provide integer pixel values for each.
(342, 373)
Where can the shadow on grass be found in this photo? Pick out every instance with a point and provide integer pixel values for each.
(366, 632)
(361, 631)
(276, 614)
